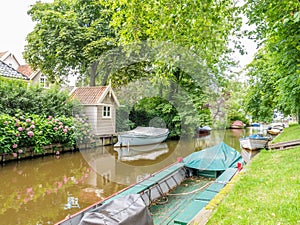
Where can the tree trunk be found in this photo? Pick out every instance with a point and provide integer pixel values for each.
(105, 77)
(93, 73)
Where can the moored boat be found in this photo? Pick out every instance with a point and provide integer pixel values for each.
(179, 202)
(273, 131)
(255, 124)
(254, 142)
(202, 131)
(275, 128)
(142, 136)
(237, 125)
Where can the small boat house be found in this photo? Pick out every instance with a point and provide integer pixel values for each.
(100, 103)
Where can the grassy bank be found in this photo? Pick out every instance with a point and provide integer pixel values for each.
(267, 193)
(290, 133)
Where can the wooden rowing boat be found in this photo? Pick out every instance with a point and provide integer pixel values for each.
(131, 205)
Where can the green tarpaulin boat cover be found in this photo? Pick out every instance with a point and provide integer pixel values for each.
(216, 158)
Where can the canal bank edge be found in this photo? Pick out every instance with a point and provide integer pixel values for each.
(57, 149)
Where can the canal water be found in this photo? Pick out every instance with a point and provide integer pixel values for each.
(46, 190)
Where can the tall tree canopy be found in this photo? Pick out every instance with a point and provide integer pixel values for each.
(69, 34)
(275, 70)
(74, 33)
(180, 45)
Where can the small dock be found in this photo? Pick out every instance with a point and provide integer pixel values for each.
(284, 145)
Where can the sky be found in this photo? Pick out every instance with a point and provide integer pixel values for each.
(16, 24)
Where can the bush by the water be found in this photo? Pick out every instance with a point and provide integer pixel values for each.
(25, 120)
(22, 131)
(17, 96)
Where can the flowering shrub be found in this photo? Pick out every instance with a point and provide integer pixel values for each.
(21, 131)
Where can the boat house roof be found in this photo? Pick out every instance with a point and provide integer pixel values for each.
(93, 95)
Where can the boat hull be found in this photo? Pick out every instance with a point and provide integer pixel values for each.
(274, 131)
(136, 141)
(142, 136)
(253, 144)
(158, 185)
(237, 125)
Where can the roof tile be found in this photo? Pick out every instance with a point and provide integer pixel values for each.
(88, 95)
(25, 69)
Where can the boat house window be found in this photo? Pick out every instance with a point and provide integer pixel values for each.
(106, 112)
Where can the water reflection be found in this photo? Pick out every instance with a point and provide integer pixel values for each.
(46, 190)
(149, 152)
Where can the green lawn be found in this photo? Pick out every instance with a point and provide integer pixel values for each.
(290, 133)
(267, 193)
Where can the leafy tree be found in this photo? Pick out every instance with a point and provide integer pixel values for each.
(275, 69)
(180, 46)
(16, 96)
(69, 35)
(202, 27)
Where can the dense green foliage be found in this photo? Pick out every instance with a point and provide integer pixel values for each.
(24, 131)
(156, 112)
(275, 73)
(235, 105)
(19, 96)
(31, 116)
(69, 34)
(164, 41)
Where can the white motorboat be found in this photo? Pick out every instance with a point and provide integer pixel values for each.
(142, 136)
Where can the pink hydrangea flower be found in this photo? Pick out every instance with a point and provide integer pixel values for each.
(65, 130)
(15, 155)
(20, 151)
(30, 133)
(32, 126)
(55, 128)
(20, 128)
(15, 145)
(28, 120)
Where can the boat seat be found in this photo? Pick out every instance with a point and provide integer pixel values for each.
(215, 187)
(202, 199)
(206, 195)
(226, 175)
(189, 212)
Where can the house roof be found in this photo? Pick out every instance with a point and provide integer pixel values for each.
(3, 53)
(8, 71)
(6, 55)
(92, 95)
(26, 70)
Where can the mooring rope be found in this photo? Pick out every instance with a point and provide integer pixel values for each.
(191, 192)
